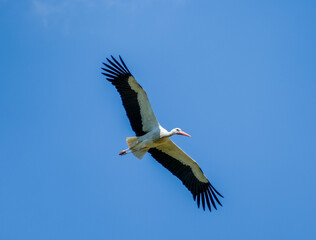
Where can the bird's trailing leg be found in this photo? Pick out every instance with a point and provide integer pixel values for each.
(126, 151)
(131, 142)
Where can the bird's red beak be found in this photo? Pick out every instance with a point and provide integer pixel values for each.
(183, 133)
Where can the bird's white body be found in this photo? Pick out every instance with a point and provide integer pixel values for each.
(140, 145)
(152, 139)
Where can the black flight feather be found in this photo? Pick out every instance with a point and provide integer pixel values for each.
(200, 190)
(118, 75)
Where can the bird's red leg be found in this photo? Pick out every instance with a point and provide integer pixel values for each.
(123, 152)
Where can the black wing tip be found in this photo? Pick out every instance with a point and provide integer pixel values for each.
(201, 191)
(124, 64)
(114, 66)
(216, 191)
(208, 195)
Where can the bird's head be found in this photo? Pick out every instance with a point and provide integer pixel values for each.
(178, 131)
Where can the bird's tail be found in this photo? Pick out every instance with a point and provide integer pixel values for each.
(131, 142)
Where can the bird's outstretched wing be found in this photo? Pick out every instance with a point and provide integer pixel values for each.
(188, 171)
(134, 98)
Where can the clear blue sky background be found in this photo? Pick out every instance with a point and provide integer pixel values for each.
(239, 76)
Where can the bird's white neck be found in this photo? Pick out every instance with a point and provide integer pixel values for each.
(172, 132)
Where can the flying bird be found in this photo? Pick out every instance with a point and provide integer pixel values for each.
(153, 138)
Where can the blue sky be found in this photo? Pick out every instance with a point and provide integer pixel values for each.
(239, 76)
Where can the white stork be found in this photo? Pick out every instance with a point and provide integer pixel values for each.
(153, 138)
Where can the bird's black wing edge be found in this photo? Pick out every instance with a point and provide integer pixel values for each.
(202, 192)
(117, 73)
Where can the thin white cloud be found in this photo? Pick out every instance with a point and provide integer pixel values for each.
(42, 8)
(50, 11)
(45, 7)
